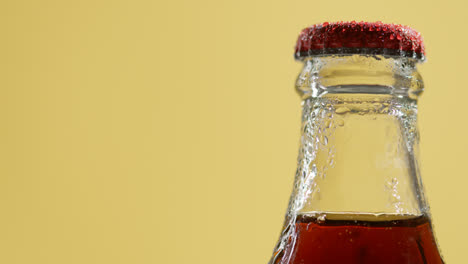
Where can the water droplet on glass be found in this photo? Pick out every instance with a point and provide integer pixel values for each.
(313, 170)
(342, 110)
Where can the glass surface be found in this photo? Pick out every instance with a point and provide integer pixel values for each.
(358, 129)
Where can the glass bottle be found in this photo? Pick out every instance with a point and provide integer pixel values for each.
(358, 196)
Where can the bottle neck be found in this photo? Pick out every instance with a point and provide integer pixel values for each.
(360, 74)
(359, 139)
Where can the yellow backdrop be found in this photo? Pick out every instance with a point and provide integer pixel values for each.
(167, 131)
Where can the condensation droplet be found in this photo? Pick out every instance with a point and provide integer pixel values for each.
(313, 170)
(342, 110)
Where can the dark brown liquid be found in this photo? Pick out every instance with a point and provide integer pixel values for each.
(408, 241)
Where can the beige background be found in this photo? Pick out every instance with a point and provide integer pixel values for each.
(167, 131)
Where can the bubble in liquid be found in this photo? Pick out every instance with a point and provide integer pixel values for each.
(321, 218)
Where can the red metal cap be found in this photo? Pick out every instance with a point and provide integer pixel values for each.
(360, 38)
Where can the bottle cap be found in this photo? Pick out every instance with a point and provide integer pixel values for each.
(377, 38)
